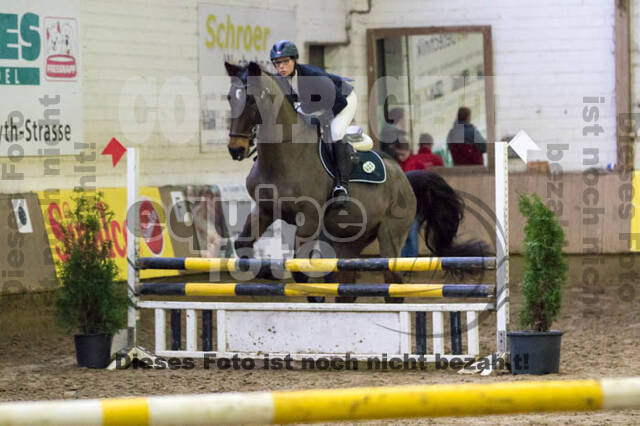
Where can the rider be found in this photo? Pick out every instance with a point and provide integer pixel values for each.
(284, 55)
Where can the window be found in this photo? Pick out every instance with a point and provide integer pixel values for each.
(316, 55)
(429, 73)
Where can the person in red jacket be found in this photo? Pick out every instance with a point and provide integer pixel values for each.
(424, 160)
(425, 156)
(405, 158)
(465, 142)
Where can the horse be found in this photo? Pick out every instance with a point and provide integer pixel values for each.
(288, 182)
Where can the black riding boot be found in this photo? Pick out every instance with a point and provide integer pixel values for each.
(342, 158)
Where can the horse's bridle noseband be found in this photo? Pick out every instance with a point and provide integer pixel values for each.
(250, 136)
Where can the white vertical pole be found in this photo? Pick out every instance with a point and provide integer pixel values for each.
(160, 326)
(133, 277)
(221, 330)
(502, 244)
(405, 336)
(192, 331)
(438, 333)
(473, 338)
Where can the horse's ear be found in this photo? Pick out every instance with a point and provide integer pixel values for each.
(254, 69)
(231, 69)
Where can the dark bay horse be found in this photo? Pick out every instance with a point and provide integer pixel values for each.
(288, 182)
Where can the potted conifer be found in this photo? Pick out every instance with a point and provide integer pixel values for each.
(537, 350)
(89, 300)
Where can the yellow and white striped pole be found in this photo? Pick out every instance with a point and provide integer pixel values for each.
(334, 404)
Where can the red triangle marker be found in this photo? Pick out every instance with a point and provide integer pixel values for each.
(115, 149)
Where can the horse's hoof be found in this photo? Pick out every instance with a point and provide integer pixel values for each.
(244, 252)
(300, 277)
(266, 273)
(315, 299)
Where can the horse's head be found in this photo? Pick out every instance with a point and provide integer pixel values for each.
(245, 115)
(256, 98)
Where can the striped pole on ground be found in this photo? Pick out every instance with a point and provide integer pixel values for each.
(401, 264)
(316, 289)
(333, 404)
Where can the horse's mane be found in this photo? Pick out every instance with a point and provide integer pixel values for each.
(270, 74)
(245, 70)
(273, 77)
(274, 82)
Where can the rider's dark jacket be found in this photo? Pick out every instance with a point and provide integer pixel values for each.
(317, 89)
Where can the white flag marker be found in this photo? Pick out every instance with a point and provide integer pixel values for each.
(522, 144)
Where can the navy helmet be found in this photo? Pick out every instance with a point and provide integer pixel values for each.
(283, 49)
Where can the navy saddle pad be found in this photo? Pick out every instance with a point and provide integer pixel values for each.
(368, 166)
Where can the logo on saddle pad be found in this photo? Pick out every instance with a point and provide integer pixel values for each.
(369, 167)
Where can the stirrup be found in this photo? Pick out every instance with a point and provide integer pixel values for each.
(339, 197)
(339, 191)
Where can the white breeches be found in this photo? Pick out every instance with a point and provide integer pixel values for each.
(344, 118)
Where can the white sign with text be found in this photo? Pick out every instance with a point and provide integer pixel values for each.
(40, 79)
(237, 35)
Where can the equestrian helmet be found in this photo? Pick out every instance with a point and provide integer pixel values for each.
(284, 48)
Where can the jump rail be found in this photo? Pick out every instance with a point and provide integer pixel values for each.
(282, 407)
(402, 264)
(288, 320)
(315, 289)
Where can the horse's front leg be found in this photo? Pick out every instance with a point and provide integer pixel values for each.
(256, 224)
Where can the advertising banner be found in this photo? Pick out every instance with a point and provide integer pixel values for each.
(237, 35)
(155, 239)
(40, 79)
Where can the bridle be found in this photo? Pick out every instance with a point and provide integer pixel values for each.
(251, 136)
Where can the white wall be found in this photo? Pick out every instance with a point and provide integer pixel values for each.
(547, 55)
(153, 40)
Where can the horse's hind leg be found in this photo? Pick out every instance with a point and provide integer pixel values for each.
(392, 234)
(305, 249)
(331, 249)
(346, 251)
(329, 277)
(346, 277)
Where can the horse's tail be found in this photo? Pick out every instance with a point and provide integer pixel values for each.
(443, 210)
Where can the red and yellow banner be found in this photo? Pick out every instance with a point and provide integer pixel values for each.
(154, 241)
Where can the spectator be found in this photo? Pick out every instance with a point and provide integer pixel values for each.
(410, 162)
(393, 131)
(424, 160)
(465, 142)
(405, 158)
(425, 157)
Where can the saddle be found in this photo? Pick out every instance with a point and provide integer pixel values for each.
(368, 166)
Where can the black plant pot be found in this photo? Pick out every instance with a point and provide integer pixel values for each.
(535, 352)
(93, 350)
